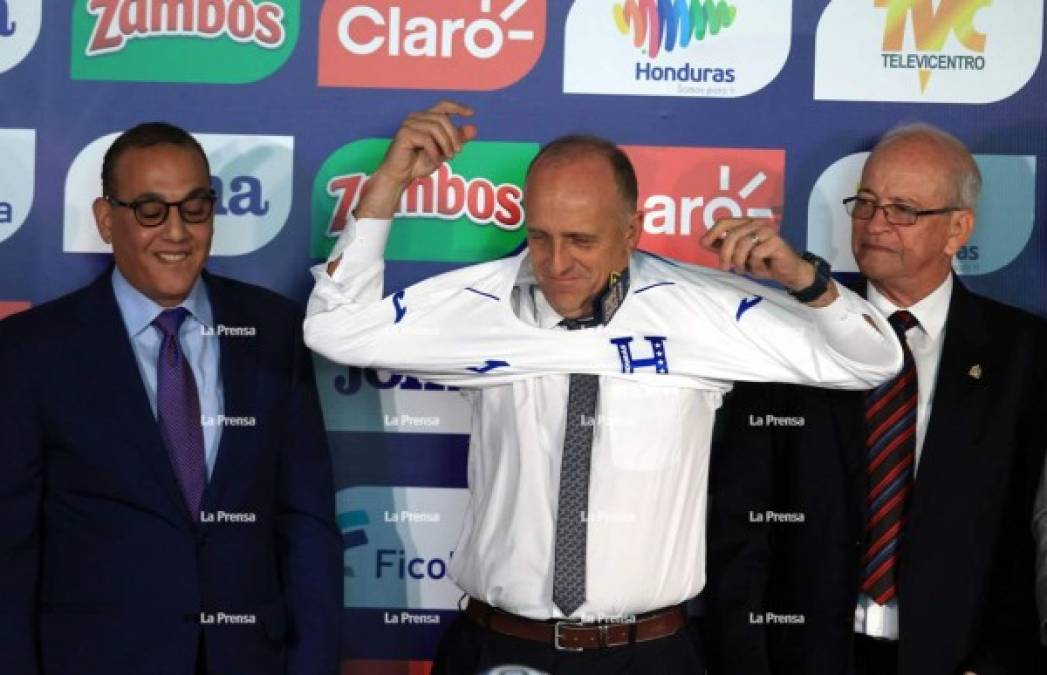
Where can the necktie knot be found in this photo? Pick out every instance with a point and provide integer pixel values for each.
(170, 320)
(577, 324)
(902, 321)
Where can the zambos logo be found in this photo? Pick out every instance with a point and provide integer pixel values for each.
(218, 41)
(468, 210)
(664, 24)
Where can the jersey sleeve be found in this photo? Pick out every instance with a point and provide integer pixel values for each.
(729, 327)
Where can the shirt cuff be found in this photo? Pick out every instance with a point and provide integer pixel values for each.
(361, 242)
(840, 310)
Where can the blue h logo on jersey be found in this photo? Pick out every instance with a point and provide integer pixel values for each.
(659, 360)
(6, 27)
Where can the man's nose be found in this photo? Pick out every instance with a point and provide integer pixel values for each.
(561, 260)
(175, 228)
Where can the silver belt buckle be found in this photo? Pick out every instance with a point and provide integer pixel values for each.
(556, 636)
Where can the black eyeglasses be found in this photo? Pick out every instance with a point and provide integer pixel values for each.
(896, 214)
(152, 212)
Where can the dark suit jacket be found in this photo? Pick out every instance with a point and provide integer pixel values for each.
(966, 568)
(103, 571)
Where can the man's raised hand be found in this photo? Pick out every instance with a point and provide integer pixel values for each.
(422, 143)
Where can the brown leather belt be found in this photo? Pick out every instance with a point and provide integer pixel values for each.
(575, 636)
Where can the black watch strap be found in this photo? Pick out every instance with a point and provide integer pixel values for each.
(822, 278)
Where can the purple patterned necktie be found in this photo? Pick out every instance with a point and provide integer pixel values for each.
(178, 411)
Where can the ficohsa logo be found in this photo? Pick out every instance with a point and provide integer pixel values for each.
(683, 191)
(227, 41)
(399, 543)
(1005, 215)
(418, 44)
(19, 29)
(944, 51)
(253, 176)
(17, 172)
(717, 48)
(468, 210)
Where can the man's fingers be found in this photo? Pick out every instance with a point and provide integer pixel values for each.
(448, 107)
(759, 255)
(467, 132)
(443, 135)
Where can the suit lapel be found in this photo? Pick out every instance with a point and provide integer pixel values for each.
(109, 363)
(239, 358)
(847, 410)
(959, 399)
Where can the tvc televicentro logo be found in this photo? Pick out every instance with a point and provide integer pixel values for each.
(950, 51)
(716, 48)
(420, 44)
(212, 41)
(468, 210)
(683, 191)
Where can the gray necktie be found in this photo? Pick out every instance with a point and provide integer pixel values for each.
(569, 555)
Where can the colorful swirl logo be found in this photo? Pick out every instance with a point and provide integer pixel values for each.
(664, 24)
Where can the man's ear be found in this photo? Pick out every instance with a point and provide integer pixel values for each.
(961, 226)
(634, 228)
(103, 211)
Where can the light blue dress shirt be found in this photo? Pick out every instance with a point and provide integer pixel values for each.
(197, 340)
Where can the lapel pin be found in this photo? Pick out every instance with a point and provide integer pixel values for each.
(976, 371)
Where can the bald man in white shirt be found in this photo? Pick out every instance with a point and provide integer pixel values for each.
(593, 371)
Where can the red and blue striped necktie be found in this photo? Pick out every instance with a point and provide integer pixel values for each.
(890, 444)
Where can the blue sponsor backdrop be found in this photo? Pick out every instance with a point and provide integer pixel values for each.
(39, 94)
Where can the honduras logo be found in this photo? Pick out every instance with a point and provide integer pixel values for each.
(658, 360)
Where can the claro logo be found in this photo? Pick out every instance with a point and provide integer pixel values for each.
(413, 44)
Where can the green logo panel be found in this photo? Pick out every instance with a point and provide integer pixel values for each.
(199, 41)
(469, 210)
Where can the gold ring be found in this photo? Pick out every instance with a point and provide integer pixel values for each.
(756, 239)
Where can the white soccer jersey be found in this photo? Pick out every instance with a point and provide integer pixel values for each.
(676, 343)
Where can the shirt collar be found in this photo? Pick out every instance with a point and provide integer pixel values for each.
(138, 311)
(545, 315)
(931, 311)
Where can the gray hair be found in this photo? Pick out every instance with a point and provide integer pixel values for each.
(966, 177)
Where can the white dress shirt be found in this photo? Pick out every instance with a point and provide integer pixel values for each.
(486, 328)
(925, 342)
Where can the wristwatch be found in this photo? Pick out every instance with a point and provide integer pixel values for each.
(821, 279)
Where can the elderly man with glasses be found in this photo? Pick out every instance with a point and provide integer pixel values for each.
(166, 498)
(894, 525)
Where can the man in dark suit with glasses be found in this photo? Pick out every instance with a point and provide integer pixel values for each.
(166, 499)
(892, 527)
